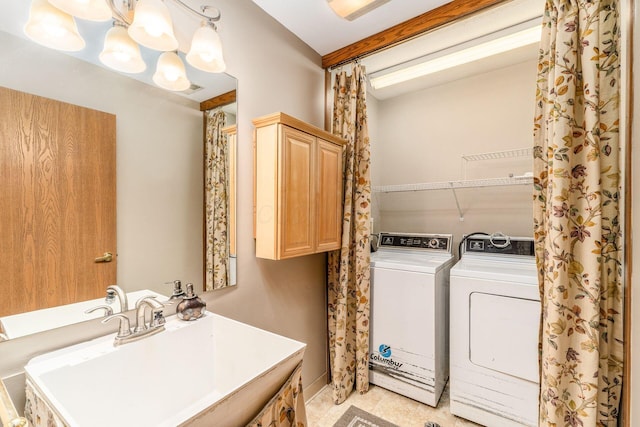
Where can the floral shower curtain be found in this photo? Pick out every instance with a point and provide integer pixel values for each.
(216, 201)
(348, 293)
(576, 213)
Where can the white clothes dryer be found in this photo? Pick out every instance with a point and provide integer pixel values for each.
(495, 315)
(409, 314)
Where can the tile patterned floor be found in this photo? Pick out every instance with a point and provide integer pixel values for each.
(400, 410)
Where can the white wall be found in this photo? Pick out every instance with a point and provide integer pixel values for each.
(159, 198)
(421, 137)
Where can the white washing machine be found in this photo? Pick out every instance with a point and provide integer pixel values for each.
(409, 314)
(495, 316)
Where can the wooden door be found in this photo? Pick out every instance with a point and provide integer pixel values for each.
(57, 202)
(328, 196)
(296, 213)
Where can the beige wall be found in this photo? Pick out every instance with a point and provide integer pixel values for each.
(159, 184)
(276, 72)
(421, 136)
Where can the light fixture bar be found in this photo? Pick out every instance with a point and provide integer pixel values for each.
(117, 13)
(433, 64)
(203, 8)
(127, 19)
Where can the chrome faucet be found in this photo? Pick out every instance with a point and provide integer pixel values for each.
(142, 329)
(112, 292)
(157, 317)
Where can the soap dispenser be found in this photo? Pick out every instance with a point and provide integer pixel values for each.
(177, 291)
(191, 307)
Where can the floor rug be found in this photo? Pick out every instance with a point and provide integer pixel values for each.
(356, 417)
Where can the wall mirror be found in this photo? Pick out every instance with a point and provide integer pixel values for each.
(220, 193)
(157, 177)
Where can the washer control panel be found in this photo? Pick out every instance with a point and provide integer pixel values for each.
(500, 245)
(439, 242)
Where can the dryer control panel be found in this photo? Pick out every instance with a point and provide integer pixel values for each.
(440, 242)
(500, 245)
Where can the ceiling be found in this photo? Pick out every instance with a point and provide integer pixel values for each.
(315, 23)
(309, 20)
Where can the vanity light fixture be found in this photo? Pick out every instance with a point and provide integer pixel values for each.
(145, 22)
(433, 64)
(352, 9)
(120, 51)
(206, 50)
(52, 27)
(170, 73)
(152, 26)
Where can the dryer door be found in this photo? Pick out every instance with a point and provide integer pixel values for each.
(503, 334)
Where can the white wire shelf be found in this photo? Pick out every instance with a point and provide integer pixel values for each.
(454, 185)
(495, 155)
(526, 179)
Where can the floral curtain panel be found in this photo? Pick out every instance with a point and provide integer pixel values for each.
(286, 408)
(577, 213)
(349, 267)
(216, 202)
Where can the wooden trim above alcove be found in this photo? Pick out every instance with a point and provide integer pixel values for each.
(217, 101)
(430, 20)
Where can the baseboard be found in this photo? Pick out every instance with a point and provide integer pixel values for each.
(315, 387)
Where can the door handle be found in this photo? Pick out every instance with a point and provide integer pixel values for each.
(107, 257)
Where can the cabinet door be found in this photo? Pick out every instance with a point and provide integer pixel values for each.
(328, 196)
(296, 211)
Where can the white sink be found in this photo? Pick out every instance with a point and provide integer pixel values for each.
(176, 377)
(31, 322)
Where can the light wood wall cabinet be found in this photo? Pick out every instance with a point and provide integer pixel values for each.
(298, 188)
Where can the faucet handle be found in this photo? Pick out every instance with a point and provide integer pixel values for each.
(124, 329)
(108, 311)
(157, 318)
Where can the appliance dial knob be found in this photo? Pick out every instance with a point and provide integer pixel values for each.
(433, 243)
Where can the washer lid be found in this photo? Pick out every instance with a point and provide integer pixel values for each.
(423, 262)
(521, 270)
